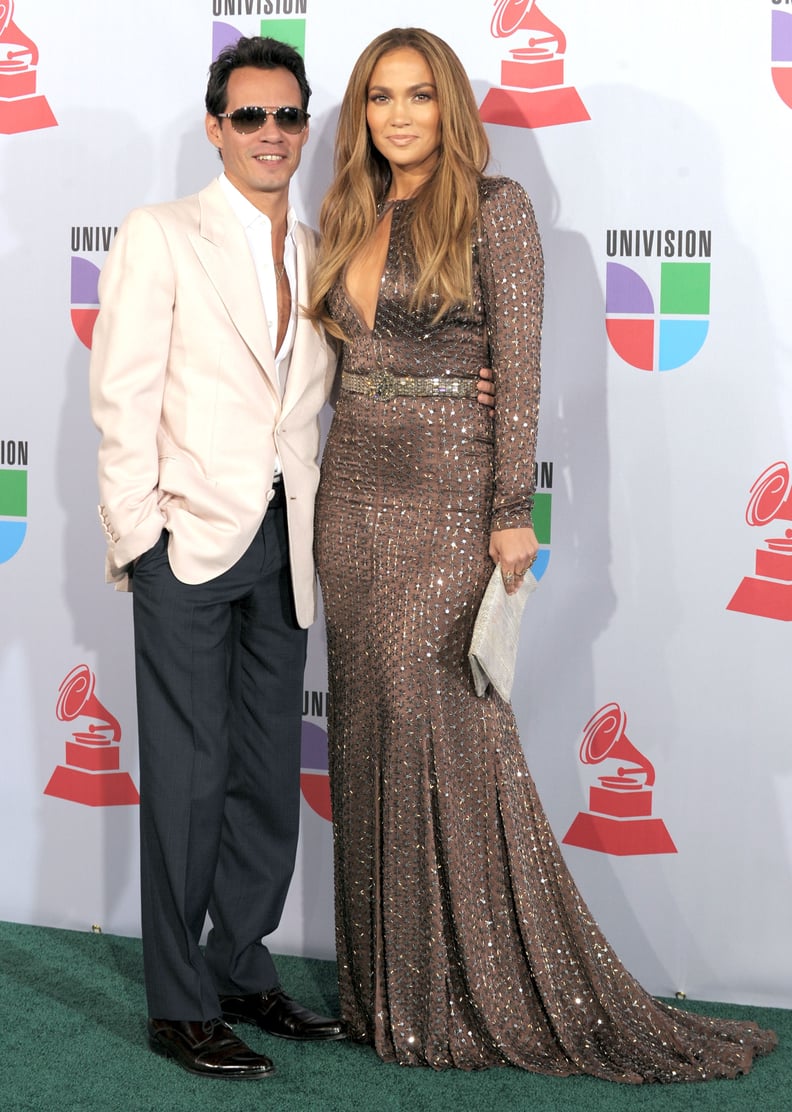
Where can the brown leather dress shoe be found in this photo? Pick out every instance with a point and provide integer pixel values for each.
(277, 1014)
(209, 1048)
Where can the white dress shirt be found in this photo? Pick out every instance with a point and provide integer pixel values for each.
(258, 230)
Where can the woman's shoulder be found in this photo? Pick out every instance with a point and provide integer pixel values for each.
(503, 201)
(501, 190)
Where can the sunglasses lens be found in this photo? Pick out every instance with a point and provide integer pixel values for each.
(250, 119)
(291, 120)
(247, 120)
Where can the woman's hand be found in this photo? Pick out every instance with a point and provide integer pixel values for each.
(486, 388)
(515, 550)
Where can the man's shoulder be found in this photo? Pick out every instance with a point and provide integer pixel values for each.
(306, 235)
(307, 231)
(182, 211)
(168, 211)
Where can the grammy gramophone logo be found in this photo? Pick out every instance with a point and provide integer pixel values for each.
(619, 819)
(21, 108)
(92, 772)
(768, 592)
(532, 92)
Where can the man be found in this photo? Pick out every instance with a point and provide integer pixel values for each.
(206, 384)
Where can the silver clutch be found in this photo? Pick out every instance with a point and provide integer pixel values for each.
(496, 635)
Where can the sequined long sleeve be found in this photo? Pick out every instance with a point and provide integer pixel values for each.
(512, 278)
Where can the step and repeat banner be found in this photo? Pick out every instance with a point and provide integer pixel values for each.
(653, 689)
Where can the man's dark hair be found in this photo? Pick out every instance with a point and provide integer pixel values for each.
(260, 53)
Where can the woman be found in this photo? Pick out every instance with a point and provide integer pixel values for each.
(462, 940)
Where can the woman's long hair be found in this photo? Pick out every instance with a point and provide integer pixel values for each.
(445, 209)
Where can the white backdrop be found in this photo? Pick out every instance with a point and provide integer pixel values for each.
(666, 396)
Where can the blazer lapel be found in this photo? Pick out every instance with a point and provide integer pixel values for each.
(222, 248)
(307, 343)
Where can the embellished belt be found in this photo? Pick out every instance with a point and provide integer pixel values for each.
(384, 385)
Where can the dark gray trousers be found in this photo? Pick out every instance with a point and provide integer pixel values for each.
(219, 670)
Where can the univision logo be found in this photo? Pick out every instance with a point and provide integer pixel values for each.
(314, 778)
(781, 53)
(85, 276)
(290, 30)
(13, 497)
(658, 319)
(84, 298)
(542, 515)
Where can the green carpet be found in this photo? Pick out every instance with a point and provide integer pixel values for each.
(73, 1038)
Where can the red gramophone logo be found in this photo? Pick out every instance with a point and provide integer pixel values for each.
(20, 108)
(768, 593)
(619, 819)
(533, 92)
(93, 757)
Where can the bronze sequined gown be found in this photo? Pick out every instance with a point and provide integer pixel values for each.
(462, 939)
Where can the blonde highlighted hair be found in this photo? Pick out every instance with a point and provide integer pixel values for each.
(445, 210)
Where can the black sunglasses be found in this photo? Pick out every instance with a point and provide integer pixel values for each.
(251, 118)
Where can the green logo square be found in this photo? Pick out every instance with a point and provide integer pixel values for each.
(685, 288)
(541, 517)
(13, 493)
(291, 31)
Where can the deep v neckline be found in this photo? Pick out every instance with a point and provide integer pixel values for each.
(382, 209)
